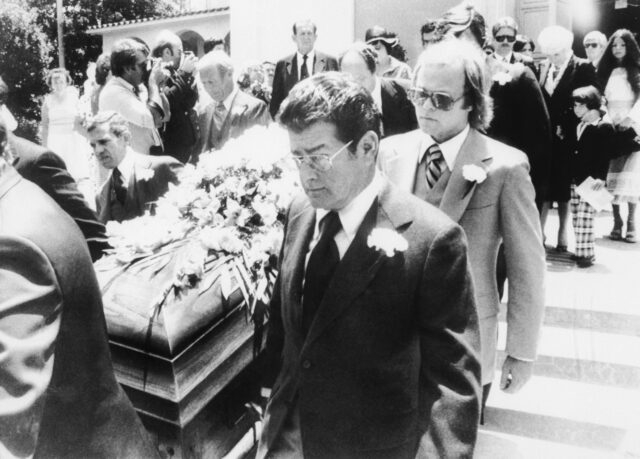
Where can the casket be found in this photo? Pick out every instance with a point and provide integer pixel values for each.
(184, 356)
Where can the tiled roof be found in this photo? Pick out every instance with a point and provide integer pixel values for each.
(156, 18)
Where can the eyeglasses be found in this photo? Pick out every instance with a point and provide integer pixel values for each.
(590, 45)
(321, 163)
(509, 38)
(439, 100)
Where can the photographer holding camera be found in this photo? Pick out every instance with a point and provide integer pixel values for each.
(179, 133)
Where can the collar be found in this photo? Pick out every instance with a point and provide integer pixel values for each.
(506, 59)
(126, 166)
(310, 57)
(376, 94)
(352, 214)
(229, 99)
(450, 148)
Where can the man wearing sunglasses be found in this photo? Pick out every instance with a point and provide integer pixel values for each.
(504, 33)
(482, 184)
(374, 350)
(594, 43)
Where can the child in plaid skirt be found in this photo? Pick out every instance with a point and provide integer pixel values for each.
(592, 142)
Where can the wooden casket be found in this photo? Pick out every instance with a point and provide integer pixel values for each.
(186, 357)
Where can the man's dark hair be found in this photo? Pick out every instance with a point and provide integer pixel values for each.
(103, 67)
(506, 22)
(305, 22)
(211, 43)
(588, 95)
(123, 55)
(334, 98)
(366, 52)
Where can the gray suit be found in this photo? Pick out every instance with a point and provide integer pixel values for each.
(500, 209)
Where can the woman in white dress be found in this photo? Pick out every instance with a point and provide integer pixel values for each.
(61, 120)
(619, 72)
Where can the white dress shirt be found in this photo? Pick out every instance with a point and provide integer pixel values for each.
(310, 58)
(126, 167)
(450, 148)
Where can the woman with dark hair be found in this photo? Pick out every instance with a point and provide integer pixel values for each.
(591, 142)
(389, 50)
(619, 73)
(524, 45)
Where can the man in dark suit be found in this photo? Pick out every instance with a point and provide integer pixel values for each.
(560, 74)
(398, 115)
(304, 62)
(232, 111)
(504, 33)
(47, 170)
(180, 132)
(58, 395)
(484, 185)
(373, 330)
(136, 180)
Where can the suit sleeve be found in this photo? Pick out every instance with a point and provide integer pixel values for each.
(450, 343)
(30, 311)
(525, 259)
(536, 132)
(183, 94)
(277, 93)
(50, 174)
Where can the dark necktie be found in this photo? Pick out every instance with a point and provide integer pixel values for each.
(118, 186)
(435, 165)
(322, 263)
(304, 73)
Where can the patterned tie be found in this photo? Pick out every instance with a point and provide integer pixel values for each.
(322, 263)
(435, 165)
(219, 115)
(550, 83)
(118, 186)
(304, 72)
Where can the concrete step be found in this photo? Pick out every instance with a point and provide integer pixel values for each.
(571, 413)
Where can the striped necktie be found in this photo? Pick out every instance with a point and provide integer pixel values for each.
(435, 165)
(220, 115)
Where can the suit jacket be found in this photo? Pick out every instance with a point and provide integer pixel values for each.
(398, 113)
(48, 171)
(591, 153)
(391, 353)
(500, 209)
(58, 395)
(180, 133)
(521, 120)
(286, 76)
(519, 58)
(148, 182)
(579, 73)
(246, 111)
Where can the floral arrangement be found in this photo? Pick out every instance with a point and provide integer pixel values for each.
(230, 207)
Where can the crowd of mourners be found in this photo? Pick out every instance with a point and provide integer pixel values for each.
(490, 126)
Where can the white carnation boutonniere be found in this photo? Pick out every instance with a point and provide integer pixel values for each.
(502, 78)
(145, 174)
(473, 174)
(387, 241)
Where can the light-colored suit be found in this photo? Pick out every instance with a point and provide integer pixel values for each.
(246, 111)
(390, 356)
(500, 209)
(149, 181)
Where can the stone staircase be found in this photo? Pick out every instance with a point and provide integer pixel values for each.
(584, 398)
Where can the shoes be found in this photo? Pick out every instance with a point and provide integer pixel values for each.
(585, 262)
(630, 237)
(616, 234)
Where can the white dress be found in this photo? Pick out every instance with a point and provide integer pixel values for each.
(623, 179)
(59, 112)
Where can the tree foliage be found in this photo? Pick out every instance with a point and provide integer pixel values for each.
(24, 58)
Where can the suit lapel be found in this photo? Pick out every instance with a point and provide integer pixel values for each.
(401, 161)
(299, 233)
(318, 63)
(137, 190)
(360, 263)
(207, 126)
(292, 71)
(544, 69)
(458, 191)
(236, 112)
